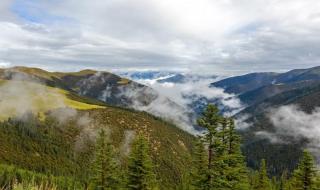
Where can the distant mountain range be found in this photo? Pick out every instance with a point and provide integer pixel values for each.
(264, 93)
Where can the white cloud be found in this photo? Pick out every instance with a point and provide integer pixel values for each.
(185, 99)
(4, 64)
(291, 121)
(229, 36)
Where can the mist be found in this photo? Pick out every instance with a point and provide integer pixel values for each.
(292, 121)
(182, 102)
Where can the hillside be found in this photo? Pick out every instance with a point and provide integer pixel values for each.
(265, 94)
(104, 86)
(51, 129)
(262, 139)
(252, 81)
(18, 96)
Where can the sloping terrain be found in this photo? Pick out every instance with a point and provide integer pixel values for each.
(51, 129)
(264, 94)
(281, 153)
(253, 81)
(17, 97)
(104, 86)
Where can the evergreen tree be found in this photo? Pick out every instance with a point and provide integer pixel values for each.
(199, 172)
(284, 182)
(211, 121)
(225, 164)
(140, 167)
(262, 181)
(105, 168)
(304, 177)
(236, 171)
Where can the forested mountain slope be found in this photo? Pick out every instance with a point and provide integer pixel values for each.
(46, 127)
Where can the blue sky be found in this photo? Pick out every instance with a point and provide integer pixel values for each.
(203, 36)
(31, 11)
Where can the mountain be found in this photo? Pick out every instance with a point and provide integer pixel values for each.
(104, 86)
(244, 83)
(241, 84)
(265, 94)
(283, 152)
(47, 125)
(255, 87)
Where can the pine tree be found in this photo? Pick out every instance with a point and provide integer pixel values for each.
(236, 171)
(199, 172)
(211, 121)
(304, 177)
(284, 183)
(225, 164)
(262, 182)
(140, 167)
(105, 168)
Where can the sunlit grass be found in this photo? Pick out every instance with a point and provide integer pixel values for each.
(19, 96)
(123, 81)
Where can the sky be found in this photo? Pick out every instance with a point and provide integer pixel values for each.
(201, 36)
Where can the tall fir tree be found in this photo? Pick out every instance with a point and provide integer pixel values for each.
(305, 176)
(211, 121)
(140, 167)
(284, 182)
(236, 171)
(225, 164)
(262, 182)
(199, 171)
(105, 169)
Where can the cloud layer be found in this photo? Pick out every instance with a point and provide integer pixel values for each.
(291, 121)
(182, 102)
(229, 36)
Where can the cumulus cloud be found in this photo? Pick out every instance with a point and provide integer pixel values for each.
(230, 36)
(291, 121)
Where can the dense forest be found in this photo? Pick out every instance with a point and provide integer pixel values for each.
(216, 161)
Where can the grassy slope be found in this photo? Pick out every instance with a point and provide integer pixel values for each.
(39, 98)
(47, 146)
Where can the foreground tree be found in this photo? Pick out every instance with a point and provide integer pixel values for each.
(262, 181)
(305, 176)
(105, 168)
(199, 171)
(211, 121)
(140, 168)
(225, 166)
(236, 171)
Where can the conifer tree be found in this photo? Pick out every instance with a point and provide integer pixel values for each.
(284, 183)
(225, 164)
(236, 171)
(262, 182)
(199, 172)
(140, 167)
(304, 177)
(105, 168)
(211, 121)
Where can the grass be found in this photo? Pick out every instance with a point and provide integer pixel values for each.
(123, 81)
(17, 96)
(46, 146)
